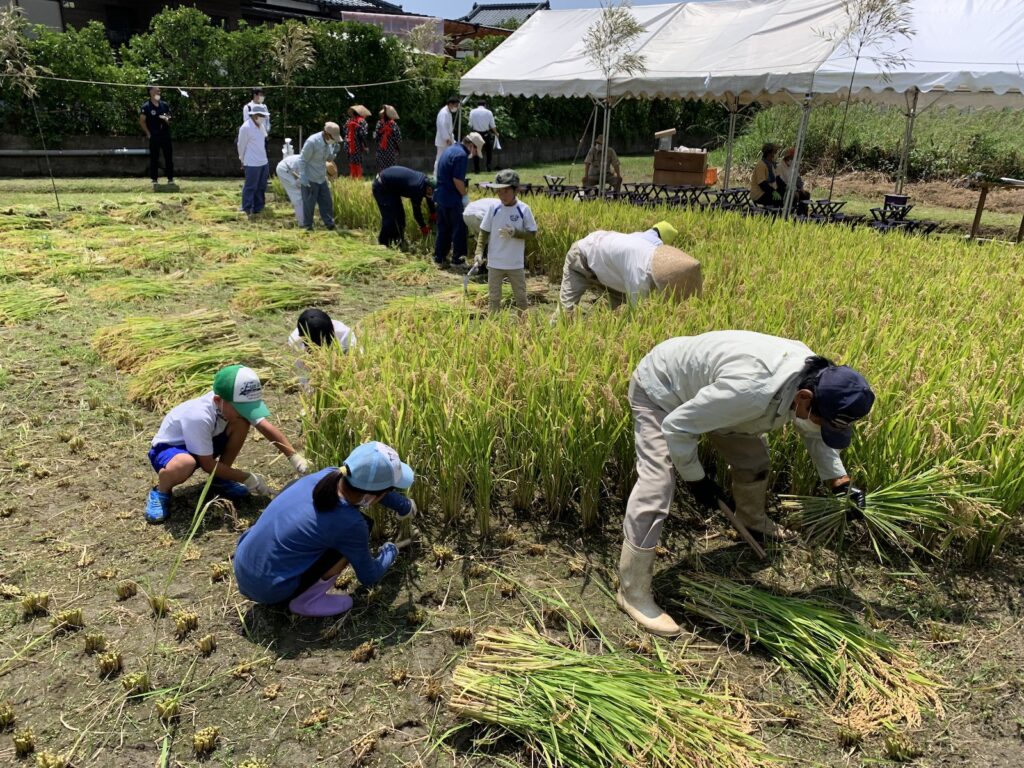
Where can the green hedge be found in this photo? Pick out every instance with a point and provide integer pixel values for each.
(184, 47)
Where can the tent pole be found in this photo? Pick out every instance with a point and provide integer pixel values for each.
(911, 115)
(787, 204)
(604, 145)
(733, 109)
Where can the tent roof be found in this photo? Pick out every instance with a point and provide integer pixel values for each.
(963, 53)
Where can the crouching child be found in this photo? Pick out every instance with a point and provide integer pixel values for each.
(315, 528)
(208, 433)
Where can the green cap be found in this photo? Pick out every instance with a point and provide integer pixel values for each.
(241, 387)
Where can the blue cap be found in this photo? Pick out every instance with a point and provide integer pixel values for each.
(841, 396)
(376, 467)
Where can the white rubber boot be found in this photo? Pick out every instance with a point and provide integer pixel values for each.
(751, 500)
(636, 568)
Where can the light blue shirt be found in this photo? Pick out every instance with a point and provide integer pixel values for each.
(316, 153)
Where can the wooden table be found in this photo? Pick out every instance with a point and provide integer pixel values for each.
(1003, 183)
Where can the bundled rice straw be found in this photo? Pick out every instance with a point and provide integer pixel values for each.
(867, 679)
(909, 514)
(574, 708)
(24, 301)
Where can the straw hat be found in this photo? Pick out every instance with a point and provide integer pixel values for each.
(390, 111)
(676, 272)
(360, 110)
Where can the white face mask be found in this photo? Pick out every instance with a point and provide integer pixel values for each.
(807, 427)
(156, 98)
(367, 500)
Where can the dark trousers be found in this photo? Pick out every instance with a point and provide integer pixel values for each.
(392, 215)
(451, 233)
(488, 151)
(254, 191)
(156, 144)
(317, 193)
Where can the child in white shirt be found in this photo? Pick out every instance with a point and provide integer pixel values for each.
(506, 227)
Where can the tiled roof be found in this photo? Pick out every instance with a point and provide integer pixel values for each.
(367, 6)
(494, 14)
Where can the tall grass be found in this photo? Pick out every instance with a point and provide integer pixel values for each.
(932, 325)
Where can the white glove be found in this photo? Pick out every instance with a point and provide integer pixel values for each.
(507, 233)
(299, 463)
(256, 485)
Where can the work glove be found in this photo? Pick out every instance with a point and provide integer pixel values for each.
(433, 217)
(412, 511)
(507, 233)
(424, 231)
(387, 555)
(776, 197)
(857, 496)
(299, 463)
(706, 492)
(256, 485)
(465, 201)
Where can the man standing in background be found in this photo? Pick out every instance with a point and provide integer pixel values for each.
(481, 120)
(319, 149)
(445, 135)
(257, 100)
(155, 119)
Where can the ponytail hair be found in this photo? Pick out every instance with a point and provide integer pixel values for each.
(325, 494)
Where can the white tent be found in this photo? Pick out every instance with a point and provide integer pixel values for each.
(969, 51)
(963, 53)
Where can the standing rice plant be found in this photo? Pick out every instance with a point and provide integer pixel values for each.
(574, 708)
(864, 679)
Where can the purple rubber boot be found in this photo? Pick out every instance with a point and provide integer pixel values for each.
(316, 602)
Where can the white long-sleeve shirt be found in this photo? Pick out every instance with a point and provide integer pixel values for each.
(727, 382)
(252, 145)
(481, 120)
(621, 262)
(445, 129)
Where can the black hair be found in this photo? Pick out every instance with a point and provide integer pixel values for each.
(481, 102)
(315, 326)
(257, 90)
(768, 148)
(325, 493)
(813, 366)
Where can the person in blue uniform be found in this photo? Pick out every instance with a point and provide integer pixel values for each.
(155, 120)
(389, 187)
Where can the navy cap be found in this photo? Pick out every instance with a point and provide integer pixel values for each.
(841, 396)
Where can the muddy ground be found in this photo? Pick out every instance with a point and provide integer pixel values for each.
(73, 482)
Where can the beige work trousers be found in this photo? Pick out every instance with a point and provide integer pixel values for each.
(651, 498)
(516, 278)
(577, 278)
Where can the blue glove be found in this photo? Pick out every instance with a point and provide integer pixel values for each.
(465, 201)
(387, 555)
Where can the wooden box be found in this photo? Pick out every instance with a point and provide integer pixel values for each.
(681, 162)
(679, 178)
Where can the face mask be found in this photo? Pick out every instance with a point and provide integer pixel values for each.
(156, 98)
(807, 427)
(366, 501)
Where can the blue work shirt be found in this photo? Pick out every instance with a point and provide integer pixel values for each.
(451, 165)
(405, 182)
(316, 152)
(291, 535)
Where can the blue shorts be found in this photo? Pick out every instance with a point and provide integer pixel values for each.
(160, 455)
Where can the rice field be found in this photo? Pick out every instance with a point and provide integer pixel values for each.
(871, 641)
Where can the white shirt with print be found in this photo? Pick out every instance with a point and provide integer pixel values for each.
(192, 426)
(507, 253)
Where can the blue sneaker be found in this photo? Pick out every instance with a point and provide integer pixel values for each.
(229, 489)
(158, 506)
